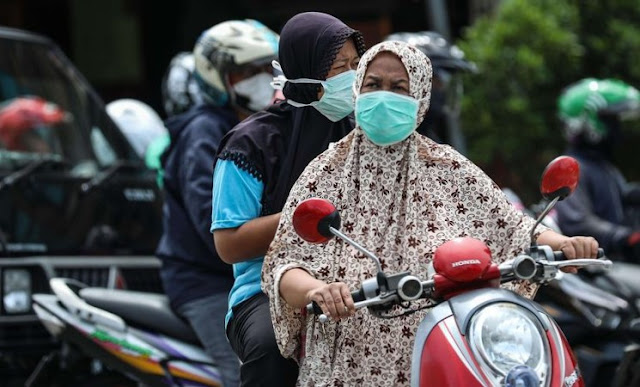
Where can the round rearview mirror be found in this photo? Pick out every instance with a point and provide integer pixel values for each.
(560, 178)
(314, 218)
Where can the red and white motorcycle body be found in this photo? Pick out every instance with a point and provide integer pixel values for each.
(484, 337)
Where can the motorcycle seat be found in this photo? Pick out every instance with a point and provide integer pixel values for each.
(146, 310)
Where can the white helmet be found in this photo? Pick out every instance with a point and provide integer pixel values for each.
(179, 88)
(138, 121)
(232, 46)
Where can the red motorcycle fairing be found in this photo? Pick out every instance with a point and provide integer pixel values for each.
(565, 371)
(447, 359)
(442, 355)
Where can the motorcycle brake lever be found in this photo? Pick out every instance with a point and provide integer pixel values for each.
(579, 263)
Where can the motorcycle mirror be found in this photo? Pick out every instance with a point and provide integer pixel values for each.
(560, 178)
(314, 218)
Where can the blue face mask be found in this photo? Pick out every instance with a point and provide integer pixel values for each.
(385, 117)
(337, 100)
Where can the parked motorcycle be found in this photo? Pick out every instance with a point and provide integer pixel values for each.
(477, 334)
(133, 333)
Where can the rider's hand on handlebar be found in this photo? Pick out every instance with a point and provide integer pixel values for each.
(578, 247)
(334, 299)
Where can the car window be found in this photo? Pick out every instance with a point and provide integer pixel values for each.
(47, 107)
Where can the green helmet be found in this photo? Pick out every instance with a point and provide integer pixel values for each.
(583, 104)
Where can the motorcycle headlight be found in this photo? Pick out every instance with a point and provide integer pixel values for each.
(16, 290)
(504, 336)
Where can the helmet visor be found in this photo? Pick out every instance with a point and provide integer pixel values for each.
(626, 110)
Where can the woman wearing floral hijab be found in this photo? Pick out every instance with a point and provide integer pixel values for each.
(400, 195)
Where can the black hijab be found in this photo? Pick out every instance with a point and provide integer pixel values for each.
(276, 145)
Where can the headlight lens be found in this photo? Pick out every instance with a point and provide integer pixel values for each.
(507, 335)
(17, 290)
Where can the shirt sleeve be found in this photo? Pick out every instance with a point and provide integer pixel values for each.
(236, 196)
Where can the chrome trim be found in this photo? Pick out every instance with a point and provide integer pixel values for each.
(557, 338)
(401, 284)
(430, 321)
(462, 343)
(370, 288)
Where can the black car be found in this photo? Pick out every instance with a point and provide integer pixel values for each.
(76, 201)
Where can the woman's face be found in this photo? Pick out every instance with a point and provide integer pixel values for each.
(346, 59)
(386, 73)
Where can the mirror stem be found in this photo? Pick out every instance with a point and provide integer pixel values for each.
(357, 247)
(540, 217)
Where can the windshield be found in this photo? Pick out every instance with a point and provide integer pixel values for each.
(68, 181)
(46, 107)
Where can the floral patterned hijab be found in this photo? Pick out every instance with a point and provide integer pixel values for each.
(416, 63)
(400, 202)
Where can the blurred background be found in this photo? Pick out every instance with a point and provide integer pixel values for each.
(525, 51)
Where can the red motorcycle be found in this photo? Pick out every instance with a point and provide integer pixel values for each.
(478, 334)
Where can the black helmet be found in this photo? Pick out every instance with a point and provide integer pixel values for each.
(441, 121)
(179, 88)
(443, 54)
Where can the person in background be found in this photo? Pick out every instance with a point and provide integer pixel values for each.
(233, 73)
(592, 111)
(180, 93)
(441, 123)
(26, 121)
(258, 163)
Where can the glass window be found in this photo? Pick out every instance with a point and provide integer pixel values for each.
(47, 107)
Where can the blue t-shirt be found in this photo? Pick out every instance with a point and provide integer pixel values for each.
(236, 200)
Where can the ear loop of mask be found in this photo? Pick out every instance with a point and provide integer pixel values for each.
(279, 82)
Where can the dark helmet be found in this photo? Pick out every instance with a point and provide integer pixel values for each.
(443, 55)
(179, 87)
(447, 61)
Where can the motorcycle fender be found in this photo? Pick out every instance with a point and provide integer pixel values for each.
(53, 324)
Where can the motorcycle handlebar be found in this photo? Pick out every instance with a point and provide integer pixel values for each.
(559, 255)
(314, 308)
(523, 267)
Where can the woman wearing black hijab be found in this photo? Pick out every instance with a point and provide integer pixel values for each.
(258, 163)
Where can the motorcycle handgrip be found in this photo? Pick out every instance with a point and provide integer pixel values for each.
(314, 308)
(559, 255)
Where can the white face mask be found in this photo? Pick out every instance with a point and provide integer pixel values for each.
(257, 89)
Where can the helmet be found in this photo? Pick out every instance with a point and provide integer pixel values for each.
(442, 54)
(179, 87)
(232, 46)
(447, 61)
(591, 106)
(138, 121)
